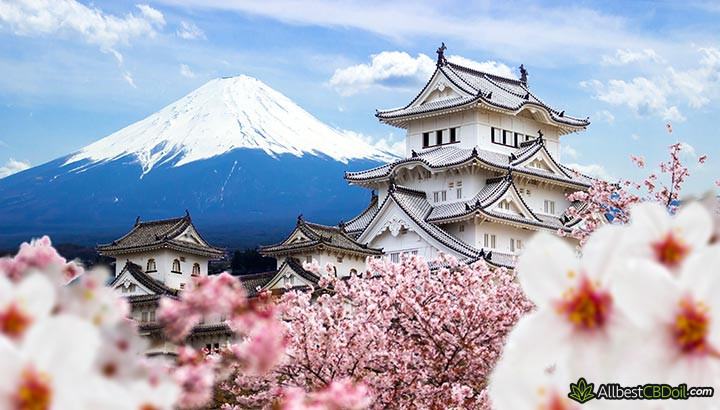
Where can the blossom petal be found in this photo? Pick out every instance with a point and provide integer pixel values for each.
(36, 295)
(544, 266)
(603, 252)
(62, 344)
(651, 219)
(10, 368)
(700, 276)
(694, 224)
(6, 290)
(646, 293)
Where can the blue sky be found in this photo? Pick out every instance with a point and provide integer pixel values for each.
(73, 72)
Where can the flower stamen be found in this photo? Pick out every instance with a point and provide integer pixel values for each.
(586, 307)
(671, 250)
(14, 322)
(691, 328)
(34, 392)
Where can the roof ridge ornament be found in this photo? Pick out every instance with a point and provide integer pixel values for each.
(299, 218)
(523, 74)
(137, 220)
(187, 213)
(414, 154)
(540, 136)
(441, 60)
(475, 151)
(391, 182)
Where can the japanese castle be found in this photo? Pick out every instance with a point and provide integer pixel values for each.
(158, 259)
(479, 177)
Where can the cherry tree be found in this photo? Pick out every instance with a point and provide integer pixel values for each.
(606, 202)
(417, 338)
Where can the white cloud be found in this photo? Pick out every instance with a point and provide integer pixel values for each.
(185, 71)
(623, 57)
(13, 166)
(567, 151)
(662, 94)
(644, 96)
(129, 79)
(537, 32)
(605, 116)
(387, 144)
(399, 70)
(594, 170)
(687, 151)
(48, 18)
(492, 67)
(189, 31)
(635, 137)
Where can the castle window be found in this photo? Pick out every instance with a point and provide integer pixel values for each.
(151, 266)
(459, 193)
(496, 135)
(152, 316)
(182, 286)
(550, 207)
(438, 137)
(461, 228)
(444, 195)
(489, 241)
(308, 259)
(426, 139)
(451, 185)
(395, 257)
(144, 317)
(353, 271)
(508, 138)
(436, 196)
(518, 138)
(339, 259)
(196, 269)
(515, 245)
(453, 135)
(176, 266)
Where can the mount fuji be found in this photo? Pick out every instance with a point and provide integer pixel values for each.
(240, 156)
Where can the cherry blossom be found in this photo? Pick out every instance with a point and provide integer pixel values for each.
(24, 303)
(666, 239)
(415, 337)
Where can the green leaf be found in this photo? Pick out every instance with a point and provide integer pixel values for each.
(581, 391)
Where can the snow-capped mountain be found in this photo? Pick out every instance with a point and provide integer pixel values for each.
(242, 157)
(222, 115)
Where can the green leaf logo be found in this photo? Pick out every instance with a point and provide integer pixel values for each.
(581, 391)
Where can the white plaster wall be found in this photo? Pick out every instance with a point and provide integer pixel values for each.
(475, 130)
(174, 280)
(406, 242)
(503, 234)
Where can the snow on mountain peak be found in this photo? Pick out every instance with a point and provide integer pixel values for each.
(222, 115)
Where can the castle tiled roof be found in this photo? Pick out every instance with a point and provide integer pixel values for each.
(361, 221)
(144, 279)
(416, 206)
(450, 156)
(157, 235)
(481, 203)
(256, 281)
(480, 88)
(318, 236)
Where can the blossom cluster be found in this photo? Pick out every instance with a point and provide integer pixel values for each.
(605, 202)
(415, 337)
(639, 306)
(65, 342)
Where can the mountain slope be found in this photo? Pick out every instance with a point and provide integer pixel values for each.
(243, 158)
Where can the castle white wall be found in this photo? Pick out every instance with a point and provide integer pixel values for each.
(474, 128)
(406, 241)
